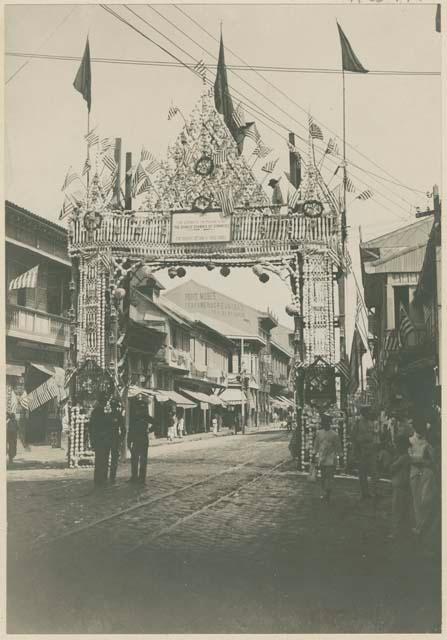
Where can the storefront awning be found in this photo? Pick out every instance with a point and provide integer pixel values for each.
(278, 403)
(288, 401)
(204, 397)
(161, 396)
(15, 370)
(233, 396)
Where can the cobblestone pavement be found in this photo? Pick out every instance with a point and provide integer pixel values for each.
(225, 538)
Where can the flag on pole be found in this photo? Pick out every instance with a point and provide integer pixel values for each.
(350, 187)
(87, 167)
(139, 179)
(293, 198)
(225, 198)
(332, 147)
(438, 18)
(107, 144)
(200, 69)
(269, 167)
(314, 130)
(27, 280)
(172, 112)
(220, 157)
(406, 327)
(343, 368)
(149, 161)
(261, 150)
(67, 209)
(239, 116)
(69, 178)
(349, 59)
(365, 195)
(222, 97)
(83, 80)
(92, 138)
(144, 186)
(109, 162)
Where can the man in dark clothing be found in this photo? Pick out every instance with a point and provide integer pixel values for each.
(100, 428)
(12, 429)
(118, 435)
(365, 452)
(138, 441)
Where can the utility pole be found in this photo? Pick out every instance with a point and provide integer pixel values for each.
(242, 376)
(117, 185)
(128, 183)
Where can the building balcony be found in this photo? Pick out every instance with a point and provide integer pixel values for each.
(174, 358)
(38, 326)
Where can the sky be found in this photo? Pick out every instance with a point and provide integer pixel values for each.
(393, 120)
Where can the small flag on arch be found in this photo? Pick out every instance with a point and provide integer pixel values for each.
(332, 147)
(314, 130)
(92, 138)
(293, 198)
(365, 195)
(261, 150)
(27, 280)
(225, 198)
(200, 69)
(220, 157)
(87, 167)
(109, 162)
(172, 112)
(269, 167)
(67, 209)
(350, 187)
(149, 161)
(69, 178)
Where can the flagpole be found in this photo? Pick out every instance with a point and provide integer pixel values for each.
(342, 280)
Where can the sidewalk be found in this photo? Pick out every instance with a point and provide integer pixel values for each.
(47, 457)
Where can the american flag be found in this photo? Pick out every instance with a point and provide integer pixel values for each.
(314, 130)
(391, 342)
(332, 147)
(251, 131)
(69, 178)
(27, 280)
(269, 167)
(261, 150)
(108, 183)
(138, 177)
(109, 162)
(220, 157)
(343, 368)
(173, 111)
(87, 167)
(92, 138)
(69, 373)
(365, 195)
(294, 198)
(333, 255)
(188, 154)
(67, 209)
(200, 69)
(225, 198)
(145, 185)
(350, 187)
(107, 144)
(239, 116)
(149, 161)
(406, 327)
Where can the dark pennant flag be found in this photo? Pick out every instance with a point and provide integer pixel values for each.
(83, 80)
(350, 60)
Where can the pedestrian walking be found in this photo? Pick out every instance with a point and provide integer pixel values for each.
(400, 481)
(327, 447)
(12, 429)
(363, 439)
(138, 442)
(118, 437)
(100, 429)
(181, 424)
(215, 424)
(172, 424)
(422, 477)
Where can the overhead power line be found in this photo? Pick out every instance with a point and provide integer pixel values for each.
(231, 67)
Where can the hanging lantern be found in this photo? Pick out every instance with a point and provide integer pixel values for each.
(119, 293)
(261, 273)
(264, 277)
(292, 310)
(210, 266)
(225, 271)
(181, 272)
(172, 272)
(72, 285)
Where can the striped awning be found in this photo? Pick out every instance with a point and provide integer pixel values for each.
(233, 396)
(161, 395)
(204, 397)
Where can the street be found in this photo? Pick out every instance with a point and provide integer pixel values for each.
(226, 537)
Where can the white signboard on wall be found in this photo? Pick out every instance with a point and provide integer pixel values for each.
(212, 226)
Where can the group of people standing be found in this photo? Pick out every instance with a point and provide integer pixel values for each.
(107, 435)
(412, 466)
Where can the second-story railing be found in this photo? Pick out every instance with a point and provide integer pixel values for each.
(37, 325)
